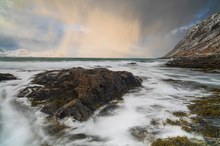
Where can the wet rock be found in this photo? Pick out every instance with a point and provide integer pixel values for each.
(6, 76)
(207, 120)
(80, 136)
(155, 122)
(203, 118)
(206, 63)
(185, 84)
(132, 63)
(140, 133)
(78, 92)
(53, 127)
(50, 108)
(212, 141)
(206, 107)
(75, 109)
(108, 110)
(176, 141)
(180, 114)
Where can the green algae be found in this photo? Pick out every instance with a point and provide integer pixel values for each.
(180, 122)
(203, 107)
(176, 122)
(180, 114)
(203, 119)
(37, 102)
(207, 110)
(58, 102)
(206, 107)
(175, 141)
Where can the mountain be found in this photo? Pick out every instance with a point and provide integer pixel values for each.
(2, 53)
(200, 48)
(201, 40)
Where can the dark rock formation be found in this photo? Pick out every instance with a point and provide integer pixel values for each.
(109, 109)
(200, 47)
(77, 92)
(132, 63)
(6, 76)
(140, 133)
(208, 62)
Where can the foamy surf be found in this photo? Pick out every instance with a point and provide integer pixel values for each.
(23, 125)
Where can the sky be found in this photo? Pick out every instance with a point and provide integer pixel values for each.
(98, 28)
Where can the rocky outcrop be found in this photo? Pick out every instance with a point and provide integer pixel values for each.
(78, 92)
(208, 62)
(201, 46)
(6, 76)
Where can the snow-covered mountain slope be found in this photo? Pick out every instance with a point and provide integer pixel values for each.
(201, 40)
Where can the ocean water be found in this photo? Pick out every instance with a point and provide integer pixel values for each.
(23, 125)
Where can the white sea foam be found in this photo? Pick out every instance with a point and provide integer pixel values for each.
(22, 125)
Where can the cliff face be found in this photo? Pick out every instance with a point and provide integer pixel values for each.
(200, 41)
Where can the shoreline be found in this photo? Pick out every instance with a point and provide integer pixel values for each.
(207, 62)
(139, 132)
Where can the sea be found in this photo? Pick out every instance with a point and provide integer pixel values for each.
(164, 91)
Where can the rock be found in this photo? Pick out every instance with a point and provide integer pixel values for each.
(55, 129)
(50, 108)
(140, 133)
(212, 141)
(209, 62)
(176, 141)
(132, 63)
(75, 109)
(109, 110)
(78, 92)
(78, 136)
(200, 48)
(81, 136)
(6, 76)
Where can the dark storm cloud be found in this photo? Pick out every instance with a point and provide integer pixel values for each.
(8, 43)
(162, 23)
(172, 13)
(158, 18)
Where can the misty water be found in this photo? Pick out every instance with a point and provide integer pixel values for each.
(23, 125)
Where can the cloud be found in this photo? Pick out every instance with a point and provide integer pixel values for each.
(29, 31)
(8, 43)
(98, 28)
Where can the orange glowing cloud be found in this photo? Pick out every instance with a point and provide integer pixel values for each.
(104, 34)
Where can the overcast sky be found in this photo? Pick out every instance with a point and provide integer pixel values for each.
(98, 28)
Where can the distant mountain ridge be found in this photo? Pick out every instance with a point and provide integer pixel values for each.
(2, 53)
(201, 40)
